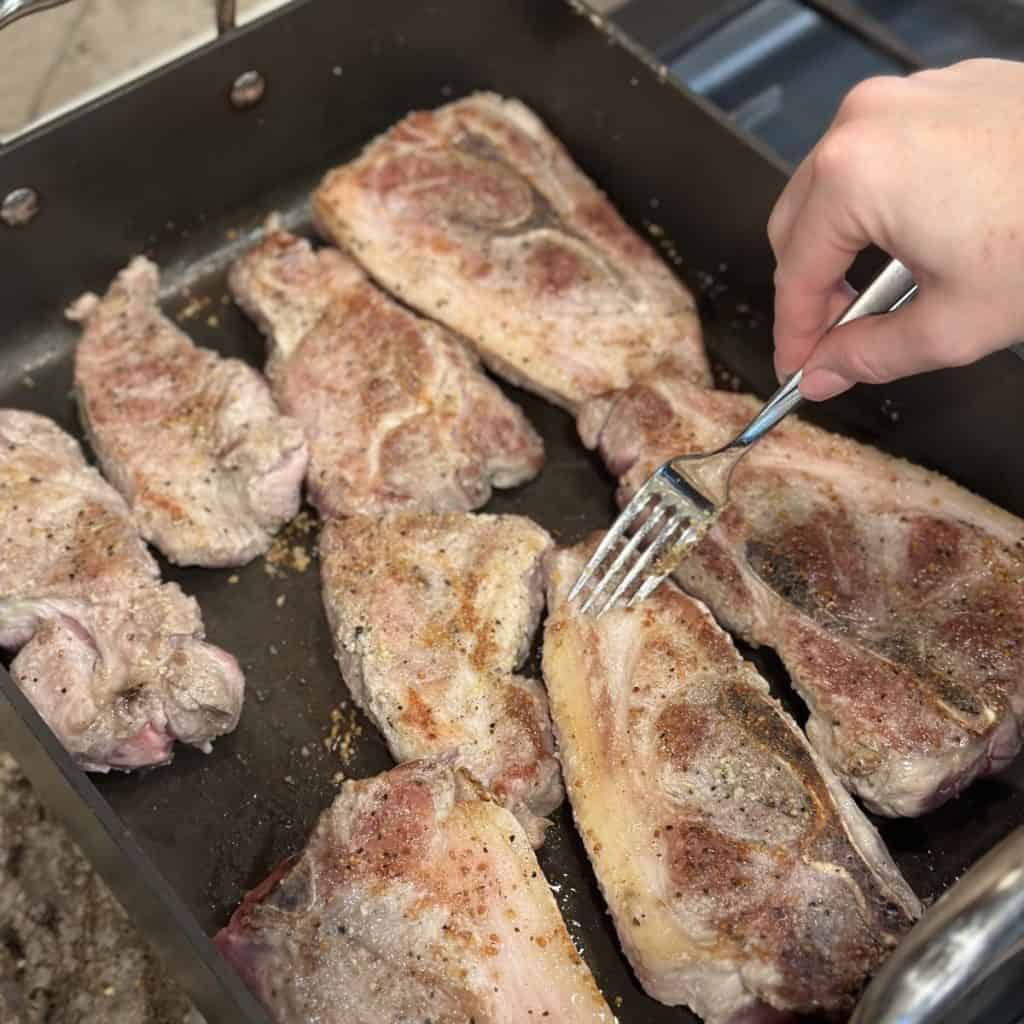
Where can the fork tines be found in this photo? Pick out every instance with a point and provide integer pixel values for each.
(626, 564)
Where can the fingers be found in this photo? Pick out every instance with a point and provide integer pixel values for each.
(816, 245)
(787, 209)
(919, 336)
(821, 221)
(810, 287)
(960, 231)
(818, 385)
(788, 206)
(793, 359)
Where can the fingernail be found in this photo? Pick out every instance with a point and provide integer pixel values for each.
(818, 385)
(782, 375)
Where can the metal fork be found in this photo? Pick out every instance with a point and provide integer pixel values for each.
(682, 499)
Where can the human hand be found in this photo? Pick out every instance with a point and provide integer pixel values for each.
(929, 168)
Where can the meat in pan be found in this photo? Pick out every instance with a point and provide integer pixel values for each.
(743, 880)
(112, 659)
(892, 595)
(397, 411)
(193, 441)
(414, 900)
(475, 215)
(430, 617)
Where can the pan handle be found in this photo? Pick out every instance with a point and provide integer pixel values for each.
(975, 927)
(226, 15)
(12, 10)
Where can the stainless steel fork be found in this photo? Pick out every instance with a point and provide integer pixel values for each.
(683, 497)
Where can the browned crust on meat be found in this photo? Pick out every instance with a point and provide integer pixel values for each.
(431, 616)
(890, 593)
(413, 898)
(475, 215)
(721, 841)
(397, 411)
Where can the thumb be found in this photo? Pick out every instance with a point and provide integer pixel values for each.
(878, 349)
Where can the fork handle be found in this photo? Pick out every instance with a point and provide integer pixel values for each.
(888, 291)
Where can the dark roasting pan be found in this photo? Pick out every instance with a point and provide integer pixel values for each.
(170, 166)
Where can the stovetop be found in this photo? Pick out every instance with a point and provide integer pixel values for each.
(780, 67)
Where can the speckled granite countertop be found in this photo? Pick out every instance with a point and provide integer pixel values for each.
(68, 954)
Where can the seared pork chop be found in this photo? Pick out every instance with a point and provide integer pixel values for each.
(112, 659)
(739, 873)
(475, 215)
(193, 441)
(430, 616)
(397, 411)
(414, 900)
(893, 596)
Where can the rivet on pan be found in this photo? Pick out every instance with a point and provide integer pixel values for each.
(247, 90)
(19, 207)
